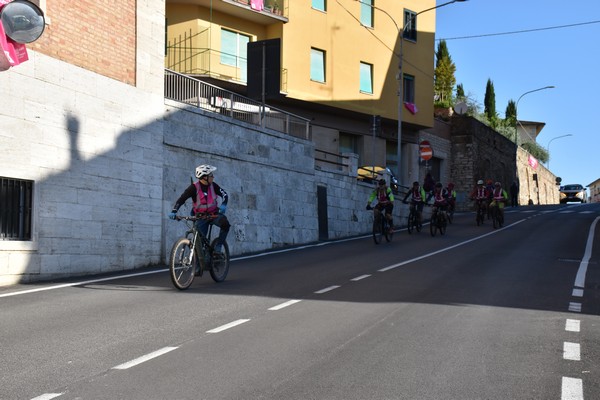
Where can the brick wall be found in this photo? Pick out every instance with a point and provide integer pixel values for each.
(99, 36)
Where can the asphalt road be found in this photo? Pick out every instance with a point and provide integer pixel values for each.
(477, 313)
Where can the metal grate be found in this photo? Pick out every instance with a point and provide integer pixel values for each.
(16, 198)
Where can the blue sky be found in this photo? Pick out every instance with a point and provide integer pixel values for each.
(567, 58)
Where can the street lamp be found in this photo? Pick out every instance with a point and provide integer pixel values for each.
(401, 33)
(548, 147)
(517, 108)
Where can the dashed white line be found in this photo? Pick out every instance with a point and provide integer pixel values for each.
(228, 326)
(572, 389)
(327, 289)
(284, 305)
(47, 396)
(573, 325)
(358, 278)
(145, 358)
(575, 307)
(571, 351)
(577, 292)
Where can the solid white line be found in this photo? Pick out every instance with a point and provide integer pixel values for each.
(577, 292)
(327, 289)
(47, 396)
(227, 326)
(580, 279)
(576, 307)
(283, 305)
(573, 325)
(358, 278)
(448, 248)
(571, 351)
(80, 283)
(145, 358)
(572, 389)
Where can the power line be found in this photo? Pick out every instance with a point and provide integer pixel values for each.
(521, 31)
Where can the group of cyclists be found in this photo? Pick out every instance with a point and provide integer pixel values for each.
(488, 198)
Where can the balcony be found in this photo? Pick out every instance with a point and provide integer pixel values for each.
(273, 11)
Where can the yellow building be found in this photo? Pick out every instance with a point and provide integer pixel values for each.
(339, 64)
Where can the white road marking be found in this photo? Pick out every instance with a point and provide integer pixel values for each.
(571, 351)
(358, 278)
(284, 305)
(572, 389)
(448, 248)
(576, 307)
(327, 289)
(145, 358)
(577, 292)
(47, 396)
(580, 279)
(227, 326)
(573, 325)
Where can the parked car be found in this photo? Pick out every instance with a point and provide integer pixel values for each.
(574, 192)
(371, 174)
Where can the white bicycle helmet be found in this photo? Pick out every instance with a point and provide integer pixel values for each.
(479, 182)
(205, 169)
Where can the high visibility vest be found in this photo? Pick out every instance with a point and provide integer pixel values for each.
(205, 203)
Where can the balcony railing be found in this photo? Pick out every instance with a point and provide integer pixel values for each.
(185, 89)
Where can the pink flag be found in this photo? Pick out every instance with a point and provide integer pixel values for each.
(257, 5)
(532, 161)
(11, 53)
(412, 107)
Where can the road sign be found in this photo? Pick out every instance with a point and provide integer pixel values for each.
(425, 150)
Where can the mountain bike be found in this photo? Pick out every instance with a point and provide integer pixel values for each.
(194, 254)
(497, 216)
(381, 225)
(439, 221)
(413, 219)
(480, 211)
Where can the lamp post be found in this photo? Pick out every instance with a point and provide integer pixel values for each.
(401, 33)
(548, 147)
(517, 110)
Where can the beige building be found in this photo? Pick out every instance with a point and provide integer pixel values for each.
(594, 191)
(338, 65)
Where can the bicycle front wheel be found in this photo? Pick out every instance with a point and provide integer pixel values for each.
(220, 262)
(377, 231)
(385, 226)
(433, 225)
(411, 223)
(182, 264)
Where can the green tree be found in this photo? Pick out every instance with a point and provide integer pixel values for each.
(444, 79)
(460, 91)
(510, 115)
(536, 150)
(489, 104)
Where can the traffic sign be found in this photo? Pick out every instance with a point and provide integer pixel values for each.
(425, 150)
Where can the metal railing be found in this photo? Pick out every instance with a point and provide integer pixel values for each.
(185, 89)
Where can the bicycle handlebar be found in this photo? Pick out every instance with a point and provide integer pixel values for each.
(204, 216)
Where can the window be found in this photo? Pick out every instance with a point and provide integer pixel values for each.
(408, 86)
(234, 50)
(348, 143)
(320, 5)
(366, 13)
(410, 25)
(366, 78)
(317, 65)
(15, 209)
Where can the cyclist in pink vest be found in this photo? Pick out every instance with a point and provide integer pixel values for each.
(204, 194)
(385, 202)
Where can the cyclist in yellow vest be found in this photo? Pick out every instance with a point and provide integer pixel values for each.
(499, 198)
(385, 202)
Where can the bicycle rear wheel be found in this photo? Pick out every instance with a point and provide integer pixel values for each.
(182, 264)
(220, 263)
(386, 229)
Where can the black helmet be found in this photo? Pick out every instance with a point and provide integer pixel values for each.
(438, 185)
(382, 182)
(416, 183)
